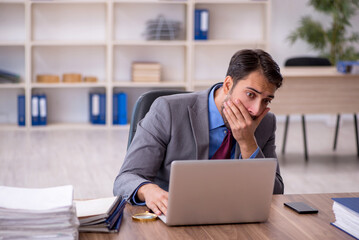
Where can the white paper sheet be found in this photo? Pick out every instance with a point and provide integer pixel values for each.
(94, 207)
(36, 198)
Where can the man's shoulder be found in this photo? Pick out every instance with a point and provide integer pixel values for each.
(269, 117)
(184, 99)
(185, 96)
(268, 122)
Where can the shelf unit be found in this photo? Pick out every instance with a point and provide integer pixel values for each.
(102, 38)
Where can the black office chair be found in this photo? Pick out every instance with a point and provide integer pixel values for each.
(302, 62)
(142, 106)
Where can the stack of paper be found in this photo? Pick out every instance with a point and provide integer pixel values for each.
(100, 215)
(346, 212)
(146, 72)
(46, 213)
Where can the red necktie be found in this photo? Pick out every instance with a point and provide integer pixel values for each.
(224, 151)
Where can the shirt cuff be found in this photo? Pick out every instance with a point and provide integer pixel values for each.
(134, 198)
(253, 154)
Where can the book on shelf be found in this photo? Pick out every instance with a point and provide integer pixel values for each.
(71, 77)
(94, 107)
(115, 119)
(21, 110)
(201, 24)
(47, 78)
(34, 110)
(90, 79)
(346, 211)
(8, 77)
(122, 111)
(146, 72)
(119, 108)
(100, 215)
(42, 109)
(38, 213)
(102, 109)
(97, 108)
(38, 109)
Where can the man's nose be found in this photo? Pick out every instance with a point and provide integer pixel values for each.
(255, 109)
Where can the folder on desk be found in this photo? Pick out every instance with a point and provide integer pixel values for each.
(35, 116)
(346, 211)
(21, 110)
(100, 215)
(42, 109)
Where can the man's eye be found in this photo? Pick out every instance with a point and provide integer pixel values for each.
(249, 94)
(267, 101)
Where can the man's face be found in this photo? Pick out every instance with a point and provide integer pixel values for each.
(255, 93)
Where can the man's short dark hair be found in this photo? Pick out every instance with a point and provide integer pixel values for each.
(247, 61)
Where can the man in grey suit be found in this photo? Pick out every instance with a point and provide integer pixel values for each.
(193, 126)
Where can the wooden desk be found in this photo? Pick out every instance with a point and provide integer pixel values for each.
(283, 223)
(316, 90)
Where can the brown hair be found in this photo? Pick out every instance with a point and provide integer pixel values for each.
(247, 61)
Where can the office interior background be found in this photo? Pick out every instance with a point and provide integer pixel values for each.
(39, 37)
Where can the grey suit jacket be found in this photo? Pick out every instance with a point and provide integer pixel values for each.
(176, 128)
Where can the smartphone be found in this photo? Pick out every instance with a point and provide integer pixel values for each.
(301, 207)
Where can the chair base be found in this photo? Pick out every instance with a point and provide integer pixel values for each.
(355, 129)
(304, 137)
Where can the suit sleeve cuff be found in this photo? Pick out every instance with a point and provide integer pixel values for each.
(253, 154)
(135, 200)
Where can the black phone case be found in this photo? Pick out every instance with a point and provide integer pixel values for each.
(301, 207)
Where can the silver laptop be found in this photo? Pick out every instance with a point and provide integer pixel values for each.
(220, 191)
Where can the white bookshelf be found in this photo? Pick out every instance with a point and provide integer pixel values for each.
(102, 38)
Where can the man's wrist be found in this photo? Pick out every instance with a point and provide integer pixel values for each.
(141, 193)
(248, 148)
(134, 199)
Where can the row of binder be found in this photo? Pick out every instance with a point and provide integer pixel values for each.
(38, 110)
(97, 109)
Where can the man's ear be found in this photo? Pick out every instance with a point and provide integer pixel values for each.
(227, 84)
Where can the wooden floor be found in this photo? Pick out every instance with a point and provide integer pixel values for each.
(90, 159)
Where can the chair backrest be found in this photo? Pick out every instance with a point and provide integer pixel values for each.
(307, 61)
(142, 106)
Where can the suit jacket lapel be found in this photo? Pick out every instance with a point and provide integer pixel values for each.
(198, 114)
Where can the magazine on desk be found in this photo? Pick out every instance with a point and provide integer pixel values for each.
(100, 215)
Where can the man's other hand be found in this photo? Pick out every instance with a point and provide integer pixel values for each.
(155, 197)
